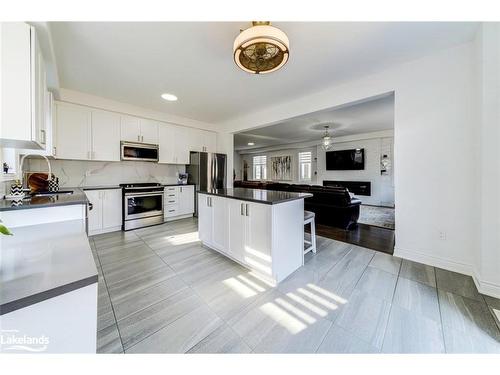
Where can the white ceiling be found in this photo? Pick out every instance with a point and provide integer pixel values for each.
(370, 115)
(136, 62)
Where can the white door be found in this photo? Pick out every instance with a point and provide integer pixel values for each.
(205, 221)
(105, 136)
(236, 229)
(257, 246)
(40, 87)
(166, 142)
(72, 132)
(186, 200)
(95, 214)
(220, 233)
(149, 131)
(111, 208)
(130, 129)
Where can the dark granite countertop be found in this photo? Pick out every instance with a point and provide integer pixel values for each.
(100, 187)
(43, 261)
(257, 195)
(78, 197)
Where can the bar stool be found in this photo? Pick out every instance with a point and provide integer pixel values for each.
(309, 219)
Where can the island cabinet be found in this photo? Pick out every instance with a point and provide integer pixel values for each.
(266, 238)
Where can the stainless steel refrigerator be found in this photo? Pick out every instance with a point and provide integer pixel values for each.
(207, 171)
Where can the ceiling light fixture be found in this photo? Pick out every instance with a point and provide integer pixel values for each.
(169, 97)
(327, 141)
(261, 48)
(251, 144)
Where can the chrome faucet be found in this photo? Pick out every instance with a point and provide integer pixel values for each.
(49, 176)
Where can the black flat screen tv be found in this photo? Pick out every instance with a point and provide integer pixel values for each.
(345, 160)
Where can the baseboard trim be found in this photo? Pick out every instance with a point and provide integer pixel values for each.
(482, 286)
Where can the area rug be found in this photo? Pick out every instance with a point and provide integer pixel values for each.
(377, 216)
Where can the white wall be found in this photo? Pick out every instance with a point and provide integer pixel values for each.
(436, 152)
(76, 173)
(382, 186)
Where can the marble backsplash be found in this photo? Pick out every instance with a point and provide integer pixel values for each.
(75, 173)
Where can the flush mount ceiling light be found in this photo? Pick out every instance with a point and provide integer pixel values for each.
(169, 97)
(251, 144)
(261, 48)
(327, 141)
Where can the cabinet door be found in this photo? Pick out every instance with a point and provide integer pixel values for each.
(166, 142)
(149, 131)
(111, 208)
(257, 246)
(205, 220)
(211, 142)
(73, 132)
(130, 129)
(220, 218)
(182, 146)
(237, 222)
(94, 215)
(15, 74)
(39, 89)
(105, 136)
(186, 200)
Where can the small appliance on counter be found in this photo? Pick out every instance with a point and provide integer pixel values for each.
(182, 179)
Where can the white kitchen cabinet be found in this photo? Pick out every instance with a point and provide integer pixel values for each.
(201, 140)
(105, 136)
(173, 144)
(84, 133)
(106, 213)
(23, 87)
(220, 217)
(94, 215)
(179, 202)
(266, 238)
(205, 219)
(149, 131)
(135, 129)
(73, 137)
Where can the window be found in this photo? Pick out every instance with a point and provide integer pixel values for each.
(305, 161)
(259, 167)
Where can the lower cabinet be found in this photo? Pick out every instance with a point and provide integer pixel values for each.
(241, 230)
(106, 213)
(179, 202)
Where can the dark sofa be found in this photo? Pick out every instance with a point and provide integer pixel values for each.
(333, 206)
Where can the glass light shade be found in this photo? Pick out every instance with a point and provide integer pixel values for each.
(260, 49)
(327, 142)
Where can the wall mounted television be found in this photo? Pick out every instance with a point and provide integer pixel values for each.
(345, 160)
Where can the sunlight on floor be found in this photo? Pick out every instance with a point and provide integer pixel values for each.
(326, 293)
(251, 283)
(283, 318)
(240, 288)
(258, 254)
(259, 266)
(182, 239)
(307, 304)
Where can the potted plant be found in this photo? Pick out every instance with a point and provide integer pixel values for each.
(4, 230)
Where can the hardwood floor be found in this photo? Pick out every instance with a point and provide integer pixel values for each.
(161, 291)
(372, 237)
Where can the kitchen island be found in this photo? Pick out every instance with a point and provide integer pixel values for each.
(261, 229)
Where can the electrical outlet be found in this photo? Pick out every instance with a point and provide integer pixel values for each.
(442, 235)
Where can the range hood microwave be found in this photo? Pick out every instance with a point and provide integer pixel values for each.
(139, 151)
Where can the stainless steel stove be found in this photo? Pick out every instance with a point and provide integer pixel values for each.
(142, 205)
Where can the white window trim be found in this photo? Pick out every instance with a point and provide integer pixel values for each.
(262, 165)
(299, 162)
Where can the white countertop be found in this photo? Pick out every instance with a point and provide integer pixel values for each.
(42, 261)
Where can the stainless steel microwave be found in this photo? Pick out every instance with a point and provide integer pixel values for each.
(139, 151)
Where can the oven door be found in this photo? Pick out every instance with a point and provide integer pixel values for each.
(139, 205)
(139, 151)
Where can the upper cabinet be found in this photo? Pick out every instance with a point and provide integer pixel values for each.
(135, 129)
(23, 88)
(83, 133)
(202, 140)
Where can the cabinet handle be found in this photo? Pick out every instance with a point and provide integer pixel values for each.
(142, 138)
(138, 138)
(241, 209)
(55, 150)
(42, 132)
(171, 201)
(247, 212)
(208, 202)
(181, 189)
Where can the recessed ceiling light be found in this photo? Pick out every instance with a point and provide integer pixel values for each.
(169, 97)
(251, 144)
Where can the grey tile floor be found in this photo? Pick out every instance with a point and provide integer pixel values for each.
(160, 291)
